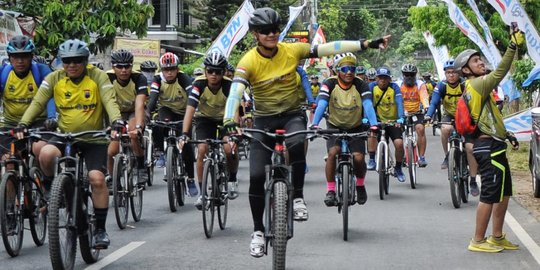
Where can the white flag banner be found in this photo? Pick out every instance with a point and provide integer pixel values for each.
(293, 14)
(439, 53)
(235, 30)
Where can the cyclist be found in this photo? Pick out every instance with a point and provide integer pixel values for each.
(97, 64)
(449, 92)
(489, 145)
(208, 95)
(347, 98)
(361, 73)
(131, 91)
(415, 99)
(388, 107)
(81, 93)
(431, 85)
(148, 69)
(40, 60)
(197, 72)
(371, 75)
(171, 88)
(270, 69)
(229, 71)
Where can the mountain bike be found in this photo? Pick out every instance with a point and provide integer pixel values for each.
(71, 211)
(385, 161)
(126, 190)
(458, 176)
(149, 155)
(21, 196)
(411, 149)
(278, 207)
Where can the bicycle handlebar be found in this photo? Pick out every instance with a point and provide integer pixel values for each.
(167, 124)
(70, 136)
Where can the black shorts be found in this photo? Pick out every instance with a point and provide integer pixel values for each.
(419, 119)
(393, 132)
(447, 118)
(206, 128)
(356, 145)
(494, 170)
(95, 155)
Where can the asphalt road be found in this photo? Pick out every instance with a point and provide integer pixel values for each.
(410, 229)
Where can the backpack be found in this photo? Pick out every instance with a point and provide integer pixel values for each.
(465, 124)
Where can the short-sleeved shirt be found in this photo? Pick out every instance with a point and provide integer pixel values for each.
(126, 95)
(209, 103)
(450, 96)
(414, 96)
(172, 95)
(386, 109)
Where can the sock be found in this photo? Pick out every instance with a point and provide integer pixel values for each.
(372, 155)
(330, 186)
(360, 181)
(232, 177)
(473, 179)
(399, 165)
(101, 217)
(140, 162)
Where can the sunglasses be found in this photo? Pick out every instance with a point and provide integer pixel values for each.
(346, 69)
(73, 60)
(406, 74)
(169, 68)
(123, 66)
(267, 31)
(215, 71)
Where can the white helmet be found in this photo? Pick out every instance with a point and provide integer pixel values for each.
(344, 57)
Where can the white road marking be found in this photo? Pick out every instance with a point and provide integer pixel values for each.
(524, 237)
(115, 256)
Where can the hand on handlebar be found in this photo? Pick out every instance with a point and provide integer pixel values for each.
(182, 140)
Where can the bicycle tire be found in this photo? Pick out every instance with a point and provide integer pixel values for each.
(279, 225)
(180, 181)
(172, 177)
(11, 214)
(411, 163)
(208, 193)
(453, 177)
(346, 176)
(149, 163)
(464, 183)
(59, 213)
(37, 208)
(135, 195)
(120, 192)
(86, 238)
(382, 175)
(223, 199)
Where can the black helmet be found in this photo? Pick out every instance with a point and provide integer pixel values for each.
(149, 65)
(122, 57)
(263, 18)
(73, 48)
(19, 45)
(409, 68)
(40, 59)
(215, 60)
(230, 67)
(463, 58)
(97, 64)
(371, 73)
(360, 70)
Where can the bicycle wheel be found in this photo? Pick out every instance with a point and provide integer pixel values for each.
(382, 175)
(180, 182)
(62, 231)
(11, 214)
(464, 183)
(172, 177)
(88, 226)
(120, 192)
(148, 154)
(208, 193)
(38, 207)
(346, 177)
(453, 177)
(223, 198)
(135, 195)
(411, 162)
(279, 225)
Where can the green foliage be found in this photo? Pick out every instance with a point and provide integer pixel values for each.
(214, 15)
(523, 67)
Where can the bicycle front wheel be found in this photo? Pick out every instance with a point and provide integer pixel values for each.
(346, 178)
(208, 192)
(172, 177)
(453, 176)
(86, 238)
(62, 230)
(411, 162)
(135, 196)
(279, 225)
(149, 156)
(37, 208)
(11, 214)
(382, 176)
(223, 199)
(120, 192)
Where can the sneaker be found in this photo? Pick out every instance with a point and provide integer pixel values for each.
(362, 194)
(198, 203)
(101, 239)
(422, 162)
(502, 242)
(474, 188)
(444, 164)
(330, 199)
(142, 176)
(484, 246)
(399, 174)
(256, 248)
(233, 189)
(108, 180)
(192, 188)
(47, 189)
(371, 164)
(300, 210)
(325, 157)
(160, 162)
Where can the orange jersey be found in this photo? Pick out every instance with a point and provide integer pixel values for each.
(413, 96)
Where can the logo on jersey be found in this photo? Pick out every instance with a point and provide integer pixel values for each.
(67, 95)
(87, 93)
(30, 88)
(11, 88)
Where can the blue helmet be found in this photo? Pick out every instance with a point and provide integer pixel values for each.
(383, 71)
(20, 45)
(448, 64)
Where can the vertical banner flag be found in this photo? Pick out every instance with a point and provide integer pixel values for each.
(319, 38)
(512, 11)
(235, 30)
(293, 14)
(440, 54)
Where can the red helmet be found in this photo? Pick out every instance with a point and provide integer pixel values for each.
(168, 60)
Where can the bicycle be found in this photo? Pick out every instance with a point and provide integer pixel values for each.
(175, 171)
(243, 145)
(385, 161)
(278, 214)
(345, 184)
(411, 149)
(214, 188)
(70, 208)
(458, 176)
(149, 155)
(126, 190)
(21, 197)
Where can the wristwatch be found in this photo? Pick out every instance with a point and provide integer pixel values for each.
(138, 127)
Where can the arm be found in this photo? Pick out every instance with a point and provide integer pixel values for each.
(486, 83)
(142, 93)
(435, 98)
(306, 85)
(188, 118)
(39, 102)
(336, 47)
(154, 94)
(319, 112)
(424, 96)
(399, 101)
(108, 96)
(51, 109)
(323, 100)
(233, 100)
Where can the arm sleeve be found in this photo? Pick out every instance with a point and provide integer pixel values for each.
(306, 85)
(154, 94)
(319, 112)
(51, 109)
(367, 102)
(196, 91)
(335, 47)
(399, 101)
(141, 84)
(435, 98)
(233, 100)
(39, 102)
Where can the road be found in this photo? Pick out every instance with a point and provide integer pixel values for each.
(410, 229)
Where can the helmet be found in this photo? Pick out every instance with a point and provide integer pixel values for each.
(263, 18)
(97, 64)
(73, 48)
(151, 65)
(463, 58)
(168, 59)
(360, 70)
(409, 68)
(122, 57)
(371, 73)
(40, 59)
(426, 74)
(448, 64)
(216, 60)
(20, 44)
(230, 67)
(198, 71)
(343, 58)
(383, 71)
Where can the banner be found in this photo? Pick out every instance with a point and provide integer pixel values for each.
(293, 14)
(321, 63)
(533, 75)
(520, 123)
(9, 27)
(235, 30)
(142, 49)
(440, 54)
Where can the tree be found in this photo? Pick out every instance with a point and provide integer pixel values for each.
(97, 21)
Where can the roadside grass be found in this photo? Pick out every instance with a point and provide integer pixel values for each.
(519, 160)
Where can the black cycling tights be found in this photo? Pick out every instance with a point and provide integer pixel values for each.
(259, 157)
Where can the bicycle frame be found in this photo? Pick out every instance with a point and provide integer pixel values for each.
(383, 148)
